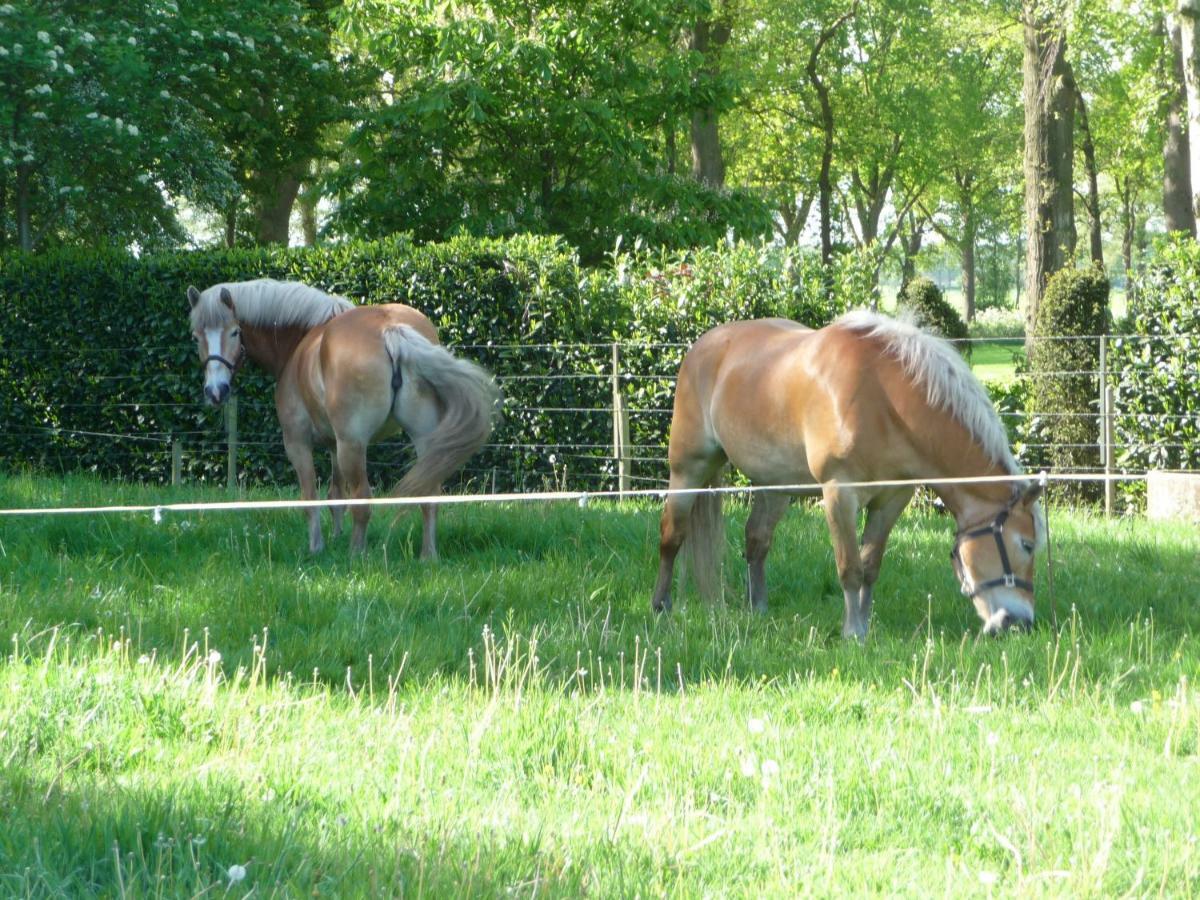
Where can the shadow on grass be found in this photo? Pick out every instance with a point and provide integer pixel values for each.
(107, 837)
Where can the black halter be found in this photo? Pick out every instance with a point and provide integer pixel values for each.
(996, 530)
(216, 357)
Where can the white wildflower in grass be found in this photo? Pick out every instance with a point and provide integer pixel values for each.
(214, 657)
(992, 739)
(143, 660)
(236, 873)
(756, 726)
(988, 878)
(1136, 707)
(769, 770)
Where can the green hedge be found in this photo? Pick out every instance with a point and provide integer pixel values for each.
(99, 372)
(924, 299)
(1063, 404)
(1157, 392)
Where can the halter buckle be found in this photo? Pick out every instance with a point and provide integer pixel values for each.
(1010, 580)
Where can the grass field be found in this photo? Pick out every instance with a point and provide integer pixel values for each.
(198, 707)
(996, 360)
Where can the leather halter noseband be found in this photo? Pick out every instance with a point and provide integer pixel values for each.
(996, 529)
(216, 357)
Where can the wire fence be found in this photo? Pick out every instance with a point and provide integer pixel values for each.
(590, 416)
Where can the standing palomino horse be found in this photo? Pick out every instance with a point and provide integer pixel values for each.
(865, 399)
(347, 377)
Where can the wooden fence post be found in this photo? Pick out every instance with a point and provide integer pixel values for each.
(176, 462)
(231, 439)
(620, 424)
(1105, 413)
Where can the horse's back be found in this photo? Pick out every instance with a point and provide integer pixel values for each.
(781, 400)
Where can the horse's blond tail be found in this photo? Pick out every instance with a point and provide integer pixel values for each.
(705, 545)
(469, 403)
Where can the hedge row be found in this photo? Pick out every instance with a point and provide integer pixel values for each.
(99, 371)
(1157, 396)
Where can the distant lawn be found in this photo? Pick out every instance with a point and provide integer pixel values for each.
(996, 360)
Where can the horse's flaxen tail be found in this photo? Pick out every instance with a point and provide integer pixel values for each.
(468, 401)
(705, 545)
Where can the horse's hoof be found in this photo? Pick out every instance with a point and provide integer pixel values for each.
(661, 606)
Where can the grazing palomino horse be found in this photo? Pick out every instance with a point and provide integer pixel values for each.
(347, 377)
(867, 398)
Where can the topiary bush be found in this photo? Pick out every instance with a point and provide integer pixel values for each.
(925, 301)
(1064, 385)
(100, 372)
(1156, 367)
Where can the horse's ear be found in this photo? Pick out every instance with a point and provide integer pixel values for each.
(193, 295)
(1032, 493)
(227, 298)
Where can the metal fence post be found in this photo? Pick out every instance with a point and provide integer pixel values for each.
(176, 462)
(620, 424)
(231, 438)
(1105, 417)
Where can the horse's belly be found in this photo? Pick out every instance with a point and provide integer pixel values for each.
(763, 460)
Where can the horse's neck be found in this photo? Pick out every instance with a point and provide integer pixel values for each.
(953, 453)
(270, 347)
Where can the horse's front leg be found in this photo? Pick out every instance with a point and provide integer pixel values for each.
(300, 452)
(882, 513)
(841, 512)
(767, 509)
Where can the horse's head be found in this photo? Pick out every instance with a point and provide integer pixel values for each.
(218, 336)
(994, 561)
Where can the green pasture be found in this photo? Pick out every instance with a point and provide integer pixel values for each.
(996, 360)
(198, 707)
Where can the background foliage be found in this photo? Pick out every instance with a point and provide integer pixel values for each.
(101, 374)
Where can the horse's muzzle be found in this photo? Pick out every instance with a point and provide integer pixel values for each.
(216, 394)
(1003, 621)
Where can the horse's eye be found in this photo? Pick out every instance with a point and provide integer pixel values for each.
(235, 333)
(1027, 546)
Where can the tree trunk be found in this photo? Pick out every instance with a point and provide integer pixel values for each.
(1177, 179)
(910, 246)
(231, 225)
(307, 201)
(824, 177)
(794, 216)
(672, 152)
(1189, 18)
(1096, 242)
(1128, 230)
(708, 164)
(273, 209)
(1049, 151)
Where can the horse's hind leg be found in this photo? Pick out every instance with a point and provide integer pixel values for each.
(841, 512)
(336, 492)
(352, 466)
(299, 451)
(696, 472)
(767, 509)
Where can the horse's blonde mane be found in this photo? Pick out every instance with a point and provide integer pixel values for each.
(265, 301)
(948, 380)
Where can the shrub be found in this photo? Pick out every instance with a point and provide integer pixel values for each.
(925, 301)
(1156, 367)
(100, 374)
(1064, 387)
